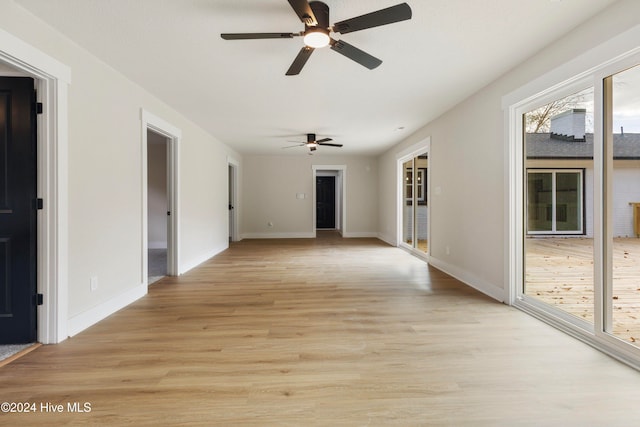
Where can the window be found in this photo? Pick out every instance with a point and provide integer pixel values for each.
(420, 185)
(554, 201)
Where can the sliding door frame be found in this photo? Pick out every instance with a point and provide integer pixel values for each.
(404, 156)
(615, 56)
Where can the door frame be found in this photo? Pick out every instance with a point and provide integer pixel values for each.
(410, 153)
(174, 135)
(336, 198)
(588, 69)
(52, 79)
(233, 191)
(340, 172)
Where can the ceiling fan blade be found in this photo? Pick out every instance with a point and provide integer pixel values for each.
(300, 60)
(324, 144)
(304, 12)
(254, 36)
(352, 52)
(397, 13)
(292, 146)
(320, 141)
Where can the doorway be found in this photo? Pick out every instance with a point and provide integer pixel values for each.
(233, 166)
(325, 202)
(329, 198)
(413, 200)
(160, 199)
(51, 79)
(18, 211)
(158, 211)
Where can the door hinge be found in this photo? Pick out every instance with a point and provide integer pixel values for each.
(39, 299)
(39, 204)
(39, 108)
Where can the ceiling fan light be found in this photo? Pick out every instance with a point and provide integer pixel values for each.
(312, 144)
(316, 38)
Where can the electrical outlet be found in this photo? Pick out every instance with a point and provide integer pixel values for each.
(94, 283)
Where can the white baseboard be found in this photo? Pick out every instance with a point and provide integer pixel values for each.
(310, 235)
(387, 239)
(193, 264)
(469, 279)
(359, 234)
(157, 245)
(294, 235)
(92, 316)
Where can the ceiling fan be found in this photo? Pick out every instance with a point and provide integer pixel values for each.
(313, 143)
(315, 17)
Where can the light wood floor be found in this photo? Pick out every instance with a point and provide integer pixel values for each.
(325, 332)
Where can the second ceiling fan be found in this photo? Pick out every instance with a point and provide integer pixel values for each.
(317, 31)
(313, 143)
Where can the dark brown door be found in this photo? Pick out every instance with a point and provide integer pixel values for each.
(325, 202)
(17, 211)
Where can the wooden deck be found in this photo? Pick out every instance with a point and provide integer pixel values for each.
(559, 271)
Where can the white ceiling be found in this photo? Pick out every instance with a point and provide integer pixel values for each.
(238, 91)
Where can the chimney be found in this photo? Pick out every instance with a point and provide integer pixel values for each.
(569, 125)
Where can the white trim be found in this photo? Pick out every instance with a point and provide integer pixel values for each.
(31, 60)
(292, 235)
(609, 52)
(405, 155)
(52, 80)
(92, 316)
(338, 196)
(197, 262)
(387, 239)
(342, 178)
(173, 134)
(415, 149)
(360, 234)
(464, 276)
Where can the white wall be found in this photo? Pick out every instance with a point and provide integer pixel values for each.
(467, 162)
(105, 176)
(271, 183)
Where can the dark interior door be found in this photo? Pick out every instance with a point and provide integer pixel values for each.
(325, 202)
(17, 211)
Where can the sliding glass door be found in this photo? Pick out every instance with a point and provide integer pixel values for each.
(414, 203)
(622, 187)
(558, 177)
(578, 217)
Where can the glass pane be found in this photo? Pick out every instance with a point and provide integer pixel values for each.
(625, 207)
(540, 199)
(422, 210)
(568, 201)
(558, 240)
(407, 217)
